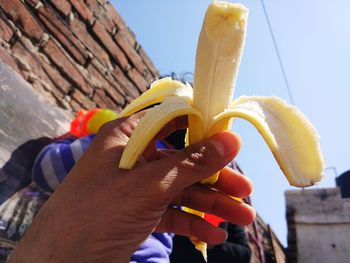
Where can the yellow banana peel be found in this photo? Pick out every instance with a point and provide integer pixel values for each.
(290, 136)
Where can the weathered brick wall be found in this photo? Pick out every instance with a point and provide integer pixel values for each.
(77, 53)
(264, 244)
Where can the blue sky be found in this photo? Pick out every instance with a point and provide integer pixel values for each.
(313, 38)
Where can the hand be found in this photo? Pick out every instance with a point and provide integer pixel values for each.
(101, 213)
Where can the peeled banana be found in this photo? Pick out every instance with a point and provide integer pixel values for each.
(290, 136)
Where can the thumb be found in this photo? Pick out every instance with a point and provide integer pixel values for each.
(196, 162)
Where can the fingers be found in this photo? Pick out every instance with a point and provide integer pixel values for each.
(204, 199)
(233, 183)
(182, 223)
(195, 162)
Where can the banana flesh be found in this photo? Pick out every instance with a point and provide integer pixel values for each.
(219, 51)
(288, 133)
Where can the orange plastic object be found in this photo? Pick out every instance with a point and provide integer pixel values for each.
(78, 126)
(214, 220)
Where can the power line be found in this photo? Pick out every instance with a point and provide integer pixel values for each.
(277, 53)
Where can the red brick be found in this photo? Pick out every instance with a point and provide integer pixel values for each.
(114, 16)
(101, 2)
(110, 45)
(94, 6)
(99, 98)
(130, 36)
(111, 87)
(6, 32)
(28, 44)
(104, 101)
(82, 99)
(32, 3)
(126, 84)
(82, 9)
(28, 60)
(107, 75)
(60, 60)
(81, 32)
(56, 78)
(6, 58)
(48, 96)
(112, 105)
(62, 6)
(63, 34)
(97, 67)
(23, 19)
(76, 106)
(56, 93)
(152, 69)
(114, 93)
(98, 78)
(100, 13)
(148, 76)
(133, 56)
(137, 78)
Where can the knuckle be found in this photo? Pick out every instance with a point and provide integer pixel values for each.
(195, 155)
(109, 127)
(125, 125)
(129, 125)
(198, 157)
(125, 128)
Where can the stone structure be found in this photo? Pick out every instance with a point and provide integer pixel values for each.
(318, 226)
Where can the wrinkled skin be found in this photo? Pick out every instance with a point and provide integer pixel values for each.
(101, 213)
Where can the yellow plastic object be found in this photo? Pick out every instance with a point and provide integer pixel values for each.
(100, 118)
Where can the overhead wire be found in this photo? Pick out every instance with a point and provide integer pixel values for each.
(286, 82)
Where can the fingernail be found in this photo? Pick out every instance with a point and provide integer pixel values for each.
(225, 143)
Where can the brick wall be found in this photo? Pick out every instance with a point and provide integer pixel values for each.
(264, 244)
(76, 53)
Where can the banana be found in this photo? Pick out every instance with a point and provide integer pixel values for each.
(290, 136)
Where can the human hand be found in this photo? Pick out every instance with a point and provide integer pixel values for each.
(102, 213)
